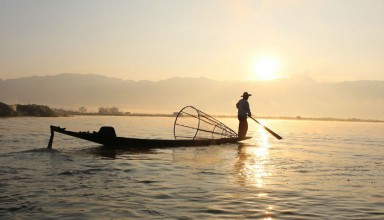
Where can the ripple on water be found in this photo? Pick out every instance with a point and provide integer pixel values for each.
(318, 172)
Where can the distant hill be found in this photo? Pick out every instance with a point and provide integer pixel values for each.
(299, 96)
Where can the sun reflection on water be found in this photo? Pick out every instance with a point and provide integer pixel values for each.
(253, 166)
(253, 160)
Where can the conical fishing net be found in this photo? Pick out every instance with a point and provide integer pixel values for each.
(192, 124)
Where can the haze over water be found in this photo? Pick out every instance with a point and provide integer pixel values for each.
(320, 170)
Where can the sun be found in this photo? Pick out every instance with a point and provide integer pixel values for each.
(266, 69)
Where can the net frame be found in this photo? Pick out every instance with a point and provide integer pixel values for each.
(219, 128)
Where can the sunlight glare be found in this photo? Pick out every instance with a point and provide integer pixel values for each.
(266, 69)
(254, 161)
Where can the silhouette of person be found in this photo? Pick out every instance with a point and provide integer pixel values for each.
(243, 111)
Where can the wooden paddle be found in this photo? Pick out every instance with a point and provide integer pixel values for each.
(269, 130)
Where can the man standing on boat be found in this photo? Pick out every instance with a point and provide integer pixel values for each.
(243, 111)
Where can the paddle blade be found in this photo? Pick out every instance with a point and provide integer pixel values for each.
(269, 130)
(273, 133)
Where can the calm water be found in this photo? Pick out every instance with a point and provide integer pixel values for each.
(320, 170)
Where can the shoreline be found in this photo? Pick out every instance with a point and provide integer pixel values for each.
(259, 117)
(33, 110)
(217, 116)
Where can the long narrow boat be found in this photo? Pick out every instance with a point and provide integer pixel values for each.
(106, 136)
(192, 127)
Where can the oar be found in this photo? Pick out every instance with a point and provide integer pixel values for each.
(269, 130)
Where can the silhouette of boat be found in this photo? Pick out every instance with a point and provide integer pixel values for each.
(192, 127)
(106, 136)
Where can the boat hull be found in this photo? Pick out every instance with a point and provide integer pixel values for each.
(111, 140)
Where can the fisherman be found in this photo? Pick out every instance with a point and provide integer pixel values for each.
(243, 111)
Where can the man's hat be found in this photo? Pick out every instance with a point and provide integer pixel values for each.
(245, 94)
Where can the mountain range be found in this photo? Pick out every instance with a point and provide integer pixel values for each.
(297, 96)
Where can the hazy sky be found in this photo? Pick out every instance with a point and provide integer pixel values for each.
(329, 40)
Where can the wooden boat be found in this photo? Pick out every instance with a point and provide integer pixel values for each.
(107, 136)
(192, 127)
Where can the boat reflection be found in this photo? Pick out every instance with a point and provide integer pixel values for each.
(105, 152)
(253, 162)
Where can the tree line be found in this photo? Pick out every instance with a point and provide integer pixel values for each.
(25, 110)
(102, 111)
(45, 111)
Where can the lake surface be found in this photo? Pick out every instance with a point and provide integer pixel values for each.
(320, 170)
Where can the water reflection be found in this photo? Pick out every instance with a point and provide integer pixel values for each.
(116, 153)
(253, 163)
